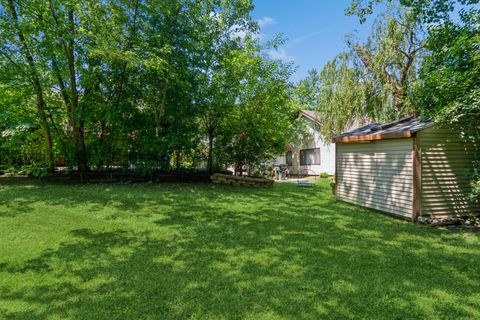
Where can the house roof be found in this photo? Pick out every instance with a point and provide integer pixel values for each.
(401, 128)
(311, 115)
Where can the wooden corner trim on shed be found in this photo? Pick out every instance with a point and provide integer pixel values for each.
(417, 181)
(336, 172)
(372, 137)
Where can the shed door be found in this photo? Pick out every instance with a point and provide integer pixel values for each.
(378, 175)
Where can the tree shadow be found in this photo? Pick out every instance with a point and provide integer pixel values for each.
(226, 252)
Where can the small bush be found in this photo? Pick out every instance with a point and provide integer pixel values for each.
(475, 182)
(37, 170)
(261, 171)
(324, 175)
(472, 219)
(11, 170)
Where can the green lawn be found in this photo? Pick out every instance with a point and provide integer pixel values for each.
(204, 251)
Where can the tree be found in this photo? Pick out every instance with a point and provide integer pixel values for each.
(391, 57)
(372, 82)
(66, 21)
(18, 127)
(449, 90)
(218, 88)
(259, 124)
(128, 83)
(307, 91)
(426, 10)
(346, 97)
(20, 55)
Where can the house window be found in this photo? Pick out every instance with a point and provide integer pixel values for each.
(309, 156)
(289, 158)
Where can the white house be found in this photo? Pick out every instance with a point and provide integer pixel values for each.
(313, 155)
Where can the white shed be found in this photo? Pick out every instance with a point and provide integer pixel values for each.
(408, 168)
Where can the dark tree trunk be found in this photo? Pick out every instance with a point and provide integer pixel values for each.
(78, 124)
(210, 151)
(177, 161)
(37, 87)
(45, 128)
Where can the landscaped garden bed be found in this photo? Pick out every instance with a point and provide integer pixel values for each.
(219, 178)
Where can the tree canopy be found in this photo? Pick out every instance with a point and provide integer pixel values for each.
(373, 81)
(95, 84)
(426, 10)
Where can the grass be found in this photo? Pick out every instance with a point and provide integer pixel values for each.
(204, 251)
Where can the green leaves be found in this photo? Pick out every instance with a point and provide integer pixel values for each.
(371, 83)
(429, 11)
(258, 120)
(133, 82)
(449, 90)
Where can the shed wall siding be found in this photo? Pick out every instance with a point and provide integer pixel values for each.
(378, 175)
(446, 164)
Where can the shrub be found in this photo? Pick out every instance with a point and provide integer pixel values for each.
(37, 170)
(11, 170)
(475, 183)
(324, 175)
(472, 219)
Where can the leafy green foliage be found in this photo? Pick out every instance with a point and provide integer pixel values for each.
(450, 83)
(344, 99)
(475, 183)
(449, 90)
(372, 82)
(324, 175)
(121, 83)
(37, 169)
(259, 124)
(428, 10)
(390, 59)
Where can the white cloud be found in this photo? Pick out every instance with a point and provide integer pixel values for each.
(239, 34)
(280, 54)
(266, 21)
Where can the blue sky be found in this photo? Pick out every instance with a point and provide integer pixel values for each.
(315, 29)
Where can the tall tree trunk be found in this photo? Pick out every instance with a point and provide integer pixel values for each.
(211, 134)
(37, 87)
(44, 127)
(78, 123)
(119, 91)
(75, 116)
(163, 102)
(177, 161)
(71, 99)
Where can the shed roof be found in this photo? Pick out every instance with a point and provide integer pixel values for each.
(401, 128)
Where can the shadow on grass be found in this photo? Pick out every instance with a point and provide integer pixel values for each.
(222, 252)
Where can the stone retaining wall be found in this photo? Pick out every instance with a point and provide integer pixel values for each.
(240, 181)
